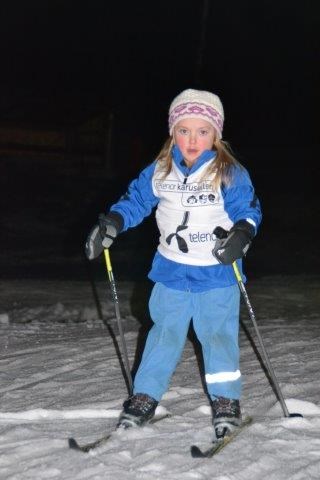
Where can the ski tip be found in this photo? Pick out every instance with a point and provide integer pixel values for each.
(196, 452)
(73, 444)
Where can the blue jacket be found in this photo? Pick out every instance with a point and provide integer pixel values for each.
(240, 202)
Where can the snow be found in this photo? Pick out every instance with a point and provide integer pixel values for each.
(61, 377)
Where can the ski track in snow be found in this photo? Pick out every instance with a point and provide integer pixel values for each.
(61, 377)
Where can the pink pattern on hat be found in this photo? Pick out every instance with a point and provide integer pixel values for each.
(195, 109)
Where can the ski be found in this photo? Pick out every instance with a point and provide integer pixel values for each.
(74, 445)
(87, 447)
(218, 445)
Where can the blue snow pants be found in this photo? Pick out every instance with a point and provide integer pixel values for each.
(215, 316)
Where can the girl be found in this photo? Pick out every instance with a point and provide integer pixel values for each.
(196, 185)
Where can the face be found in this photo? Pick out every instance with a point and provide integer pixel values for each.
(193, 136)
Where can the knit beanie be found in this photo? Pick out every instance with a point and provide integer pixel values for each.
(197, 104)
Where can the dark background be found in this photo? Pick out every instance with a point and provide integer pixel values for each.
(84, 94)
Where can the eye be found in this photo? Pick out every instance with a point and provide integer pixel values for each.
(204, 132)
(183, 131)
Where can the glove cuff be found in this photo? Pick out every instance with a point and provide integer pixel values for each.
(112, 218)
(245, 227)
(117, 219)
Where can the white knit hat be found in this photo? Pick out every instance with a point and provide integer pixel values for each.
(197, 104)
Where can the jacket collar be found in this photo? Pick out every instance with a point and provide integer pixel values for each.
(178, 159)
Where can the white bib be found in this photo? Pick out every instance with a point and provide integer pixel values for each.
(187, 213)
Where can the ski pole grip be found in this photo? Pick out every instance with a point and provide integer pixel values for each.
(237, 272)
(107, 258)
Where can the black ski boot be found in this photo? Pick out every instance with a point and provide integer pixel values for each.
(137, 411)
(226, 416)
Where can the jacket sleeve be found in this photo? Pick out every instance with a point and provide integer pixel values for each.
(240, 200)
(138, 202)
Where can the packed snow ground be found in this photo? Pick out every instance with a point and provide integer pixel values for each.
(61, 377)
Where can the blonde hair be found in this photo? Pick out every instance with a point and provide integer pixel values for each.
(222, 167)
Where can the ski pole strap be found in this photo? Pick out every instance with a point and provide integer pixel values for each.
(236, 271)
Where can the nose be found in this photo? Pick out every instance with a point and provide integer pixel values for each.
(193, 137)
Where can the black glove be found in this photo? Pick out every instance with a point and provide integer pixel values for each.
(233, 244)
(102, 235)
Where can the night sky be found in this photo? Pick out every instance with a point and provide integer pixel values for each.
(262, 58)
(64, 62)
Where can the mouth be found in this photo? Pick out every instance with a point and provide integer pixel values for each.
(192, 151)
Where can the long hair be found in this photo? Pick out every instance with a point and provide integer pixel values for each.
(222, 167)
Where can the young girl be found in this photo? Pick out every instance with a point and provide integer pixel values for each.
(196, 185)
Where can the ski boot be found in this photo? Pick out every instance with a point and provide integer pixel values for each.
(226, 416)
(137, 411)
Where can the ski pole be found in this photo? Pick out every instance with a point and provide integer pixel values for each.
(266, 356)
(118, 317)
(253, 319)
(221, 233)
